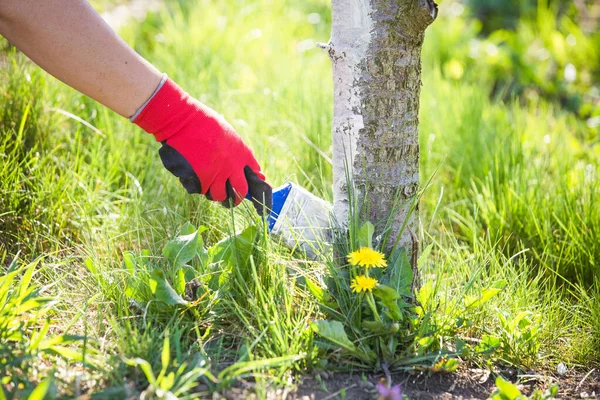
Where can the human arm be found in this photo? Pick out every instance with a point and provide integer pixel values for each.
(70, 40)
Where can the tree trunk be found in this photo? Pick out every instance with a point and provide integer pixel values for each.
(375, 49)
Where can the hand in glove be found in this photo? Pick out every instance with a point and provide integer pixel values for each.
(203, 150)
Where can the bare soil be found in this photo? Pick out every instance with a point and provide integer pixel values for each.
(462, 385)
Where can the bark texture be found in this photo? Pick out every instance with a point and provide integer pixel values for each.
(375, 49)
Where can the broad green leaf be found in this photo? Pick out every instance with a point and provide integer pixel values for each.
(521, 320)
(424, 256)
(235, 249)
(180, 284)
(315, 290)
(322, 295)
(167, 382)
(16, 337)
(461, 347)
(365, 235)
(143, 261)
(162, 290)
(450, 365)
(189, 273)
(426, 341)
(129, 262)
(401, 273)
(334, 332)
(90, 266)
(182, 249)
(131, 292)
(41, 390)
(2, 395)
(488, 344)
(376, 327)
(385, 293)
(507, 390)
(219, 277)
(485, 296)
(187, 229)
(136, 287)
(500, 284)
(393, 311)
(388, 297)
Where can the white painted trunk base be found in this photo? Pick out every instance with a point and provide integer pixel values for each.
(350, 39)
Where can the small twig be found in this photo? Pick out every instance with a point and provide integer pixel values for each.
(331, 396)
(330, 49)
(584, 378)
(324, 46)
(452, 387)
(537, 377)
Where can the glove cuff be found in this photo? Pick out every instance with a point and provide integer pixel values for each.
(166, 111)
(139, 110)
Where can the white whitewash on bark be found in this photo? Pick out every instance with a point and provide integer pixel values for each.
(375, 49)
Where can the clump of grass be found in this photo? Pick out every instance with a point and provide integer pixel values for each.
(26, 335)
(513, 187)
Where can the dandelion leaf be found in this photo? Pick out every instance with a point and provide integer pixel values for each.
(234, 248)
(485, 296)
(365, 235)
(181, 249)
(400, 273)
(334, 332)
(163, 291)
(506, 390)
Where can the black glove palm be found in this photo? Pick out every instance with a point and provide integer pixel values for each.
(259, 192)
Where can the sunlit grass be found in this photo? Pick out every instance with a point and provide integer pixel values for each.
(513, 199)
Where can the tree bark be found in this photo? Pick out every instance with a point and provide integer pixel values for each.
(375, 49)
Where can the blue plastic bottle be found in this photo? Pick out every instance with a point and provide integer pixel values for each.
(301, 219)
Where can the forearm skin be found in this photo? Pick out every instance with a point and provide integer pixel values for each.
(69, 40)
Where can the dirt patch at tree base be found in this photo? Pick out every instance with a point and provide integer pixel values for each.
(415, 386)
(463, 385)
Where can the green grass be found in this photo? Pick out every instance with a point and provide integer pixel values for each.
(512, 199)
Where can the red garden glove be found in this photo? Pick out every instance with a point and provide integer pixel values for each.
(203, 150)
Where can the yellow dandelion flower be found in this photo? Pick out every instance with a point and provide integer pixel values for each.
(363, 284)
(368, 258)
